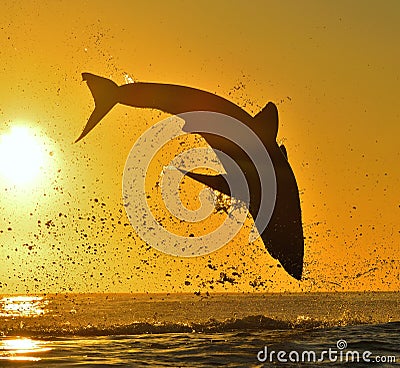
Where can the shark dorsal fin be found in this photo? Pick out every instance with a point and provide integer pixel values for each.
(266, 122)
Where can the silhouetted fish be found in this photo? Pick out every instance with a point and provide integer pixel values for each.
(283, 237)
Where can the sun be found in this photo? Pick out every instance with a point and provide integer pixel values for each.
(22, 155)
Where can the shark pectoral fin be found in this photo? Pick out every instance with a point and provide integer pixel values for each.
(284, 151)
(217, 182)
(104, 92)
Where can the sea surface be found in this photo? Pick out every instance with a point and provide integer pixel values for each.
(186, 330)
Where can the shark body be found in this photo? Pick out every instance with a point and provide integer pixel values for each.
(283, 236)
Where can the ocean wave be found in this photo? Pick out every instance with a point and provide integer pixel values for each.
(249, 323)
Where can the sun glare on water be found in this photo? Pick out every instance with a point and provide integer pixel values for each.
(22, 349)
(22, 155)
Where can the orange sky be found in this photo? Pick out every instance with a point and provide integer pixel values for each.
(332, 69)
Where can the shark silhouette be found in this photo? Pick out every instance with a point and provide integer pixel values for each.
(283, 236)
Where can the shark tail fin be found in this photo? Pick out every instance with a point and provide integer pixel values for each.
(104, 92)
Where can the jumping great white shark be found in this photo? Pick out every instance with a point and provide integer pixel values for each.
(283, 236)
